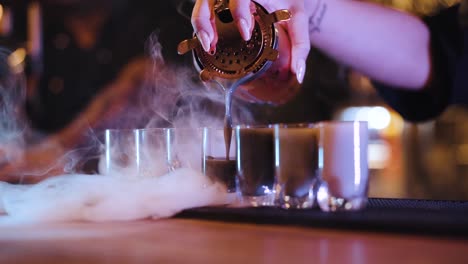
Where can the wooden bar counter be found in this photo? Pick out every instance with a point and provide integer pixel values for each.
(200, 241)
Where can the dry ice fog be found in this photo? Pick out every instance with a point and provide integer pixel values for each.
(168, 98)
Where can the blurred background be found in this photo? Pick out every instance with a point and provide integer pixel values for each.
(85, 58)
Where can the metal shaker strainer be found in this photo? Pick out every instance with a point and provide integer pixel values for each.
(236, 59)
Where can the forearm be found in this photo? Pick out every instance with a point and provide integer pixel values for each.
(387, 45)
(106, 105)
(101, 109)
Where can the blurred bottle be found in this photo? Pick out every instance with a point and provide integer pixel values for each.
(21, 51)
(6, 20)
(21, 34)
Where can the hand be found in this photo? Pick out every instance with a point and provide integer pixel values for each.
(296, 28)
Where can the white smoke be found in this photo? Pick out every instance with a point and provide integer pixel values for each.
(170, 97)
(12, 120)
(178, 97)
(107, 198)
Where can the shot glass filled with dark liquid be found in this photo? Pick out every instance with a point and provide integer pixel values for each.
(255, 165)
(218, 164)
(220, 169)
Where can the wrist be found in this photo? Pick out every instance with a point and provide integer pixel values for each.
(270, 90)
(316, 11)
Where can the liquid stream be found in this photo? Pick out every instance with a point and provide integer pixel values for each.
(228, 87)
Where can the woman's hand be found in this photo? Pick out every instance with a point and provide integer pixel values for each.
(296, 28)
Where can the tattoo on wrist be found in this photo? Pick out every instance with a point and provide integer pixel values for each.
(317, 16)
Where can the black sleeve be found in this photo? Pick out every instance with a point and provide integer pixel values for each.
(435, 97)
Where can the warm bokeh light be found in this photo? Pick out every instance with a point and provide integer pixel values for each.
(379, 154)
(378, 117)
(17, 58)
(386, 125)
(420, 7)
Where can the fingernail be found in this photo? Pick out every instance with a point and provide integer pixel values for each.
(204, 40)
(244, 29)
(300, 70)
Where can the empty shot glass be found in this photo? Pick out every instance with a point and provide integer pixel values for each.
(296, 165)
(218, 163)
(135, 153)
(343, 166)
(255, 165)
(187, 146)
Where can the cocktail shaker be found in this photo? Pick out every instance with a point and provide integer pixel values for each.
(238, 60)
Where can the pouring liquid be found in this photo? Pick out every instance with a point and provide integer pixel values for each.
(228, 122)
(228, 87)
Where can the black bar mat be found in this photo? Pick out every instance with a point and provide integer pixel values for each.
(427, 217)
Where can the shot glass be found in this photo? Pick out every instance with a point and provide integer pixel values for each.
(219, 163)
(255, 165)
(187, 147)
(296, 165)
(135, 153)
(343, 165)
